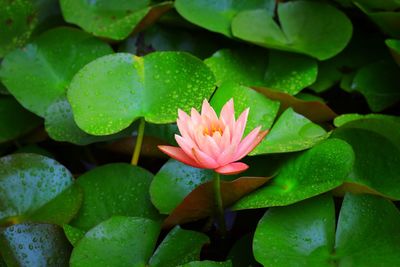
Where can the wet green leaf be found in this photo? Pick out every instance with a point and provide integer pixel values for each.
(308, 27)
(180, 180)
(290, 73)
(378, 84)
(207, 264)
(153, 87)
(73, 234)
(36, 188)
(34, 245)
(15, 120)
(18, 21)
(47, 65)
(217, 16)
(292, 132)
(178, 247)
(114, 189)
(110, 19)
(376, 143)
(297, 235)
(118, 241)
(306, 174)
(303, 234)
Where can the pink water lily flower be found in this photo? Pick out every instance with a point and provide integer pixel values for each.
(209, 142)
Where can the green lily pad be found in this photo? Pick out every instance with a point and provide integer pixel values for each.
(245, 66)
(36, 188)
(153, 87)
(388, 21)
(378, 84)
(303, 234)
(367, 232)
(18, 21)
(15, 120)
(394, 46)
(217, 16)
(73, 234)
(104, 18)
(376, 143)
(306, 174)
(308, 27)
(34, 245)
(178, 247)
(114, 189)
(118, 241)
(297, 235)
(292, 132)
(290, 73)
(262, 110)
(281, 71)
(180, 179)
(380, 5)
(47, 65)
(60, 126)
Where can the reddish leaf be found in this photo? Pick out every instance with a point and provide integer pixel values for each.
(314, 110)
(200, 202)
(152, 16)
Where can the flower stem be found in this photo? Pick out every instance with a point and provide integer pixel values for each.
(139, 141)
(218, 200)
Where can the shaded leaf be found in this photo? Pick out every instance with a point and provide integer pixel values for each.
(207, 264)
(114, 189)
(34, 245)
(47, 65)
(378, 84)
(179, 180)
(118, 241)
(200, 202)
(394, 46)
(15, 120)
(178, 247)
(36, 188)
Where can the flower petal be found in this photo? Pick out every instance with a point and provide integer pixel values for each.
(250, 142)
(232, 168)
(204, 160)
(208, 111)
(178, 154)
(228, 113)
(185, 144)
(239, 127)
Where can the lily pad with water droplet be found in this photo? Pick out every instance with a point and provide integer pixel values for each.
(376, 142)
(307, 27)
(110, 19)
(33, 244)
(114, 189)
(117, 241)
(303, 234)
(108, 94)
(18, 20)
(207, 264)
(292, 132)
(217, 16)
(180, 179)
(178, 247)
(47, 65)
(36, 188)
(306, 174)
